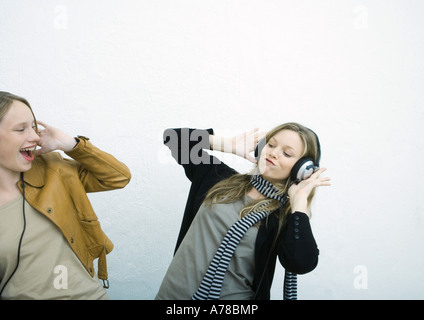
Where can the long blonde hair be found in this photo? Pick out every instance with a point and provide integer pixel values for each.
(238, 185)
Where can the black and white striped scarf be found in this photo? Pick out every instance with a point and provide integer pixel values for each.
(211, 284)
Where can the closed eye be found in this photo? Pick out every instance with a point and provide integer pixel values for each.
(22, 127)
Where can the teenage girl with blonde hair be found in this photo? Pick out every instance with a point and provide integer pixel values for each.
(236, 225)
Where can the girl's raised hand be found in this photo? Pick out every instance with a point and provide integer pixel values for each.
(52, 139)
(245, 143)
(298, 193)
(241, 145)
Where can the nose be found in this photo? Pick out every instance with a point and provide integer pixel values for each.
(33, 136)
(273, 153)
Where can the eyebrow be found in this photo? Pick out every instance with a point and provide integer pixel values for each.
(284, 146)
(24, 124)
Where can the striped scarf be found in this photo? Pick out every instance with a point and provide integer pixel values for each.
(211, 284)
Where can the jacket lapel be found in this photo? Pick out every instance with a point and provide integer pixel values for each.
(35, 176)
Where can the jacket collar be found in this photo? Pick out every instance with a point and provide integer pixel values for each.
(34, 176)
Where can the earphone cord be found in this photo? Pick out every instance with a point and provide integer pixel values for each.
(22, 235)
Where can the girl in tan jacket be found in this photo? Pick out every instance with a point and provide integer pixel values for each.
(49, 233)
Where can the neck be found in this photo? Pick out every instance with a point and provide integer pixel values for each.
(8, 185)
(255, 194)
(267, 189)
(9, 192)
(8, 178)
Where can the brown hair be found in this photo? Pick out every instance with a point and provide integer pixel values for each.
(6, 100)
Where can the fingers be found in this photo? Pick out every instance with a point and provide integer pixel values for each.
(315, 180)
(44, 137)
(43, 124)
(258, 135)
(41, 130)
(318, 172)
(324, 181)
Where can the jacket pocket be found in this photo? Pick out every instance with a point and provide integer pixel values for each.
(96, 239)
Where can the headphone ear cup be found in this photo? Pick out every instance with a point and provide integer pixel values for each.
(302, 169)
(259, 146)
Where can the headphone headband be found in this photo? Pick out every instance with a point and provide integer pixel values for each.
(318, 147)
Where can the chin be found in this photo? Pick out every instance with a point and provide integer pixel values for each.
(270, 174)
(271, 179)
(274, 179)
(25, 168)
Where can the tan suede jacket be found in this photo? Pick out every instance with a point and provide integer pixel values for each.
(57, 188)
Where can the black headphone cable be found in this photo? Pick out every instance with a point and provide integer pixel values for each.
(22, 235)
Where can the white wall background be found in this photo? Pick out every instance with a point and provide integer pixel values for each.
(122, 71)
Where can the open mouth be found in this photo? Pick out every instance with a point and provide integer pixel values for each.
(28, 153)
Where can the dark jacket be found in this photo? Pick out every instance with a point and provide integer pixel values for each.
(295, 247)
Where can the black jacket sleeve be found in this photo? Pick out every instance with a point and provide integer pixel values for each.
(295, 247)
(189, 148)
(298, 251)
